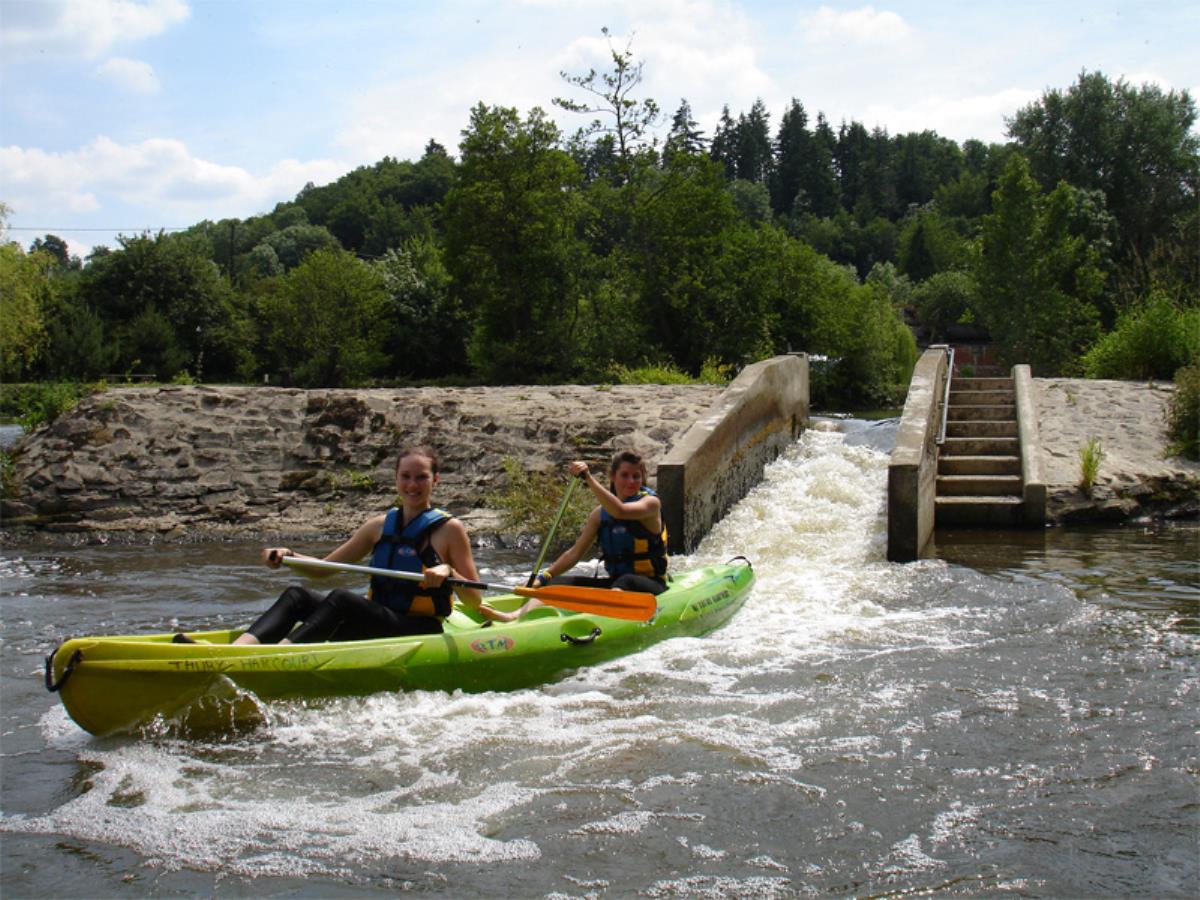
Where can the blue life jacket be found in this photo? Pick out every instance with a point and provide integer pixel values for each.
(409, 550)
(626, 545)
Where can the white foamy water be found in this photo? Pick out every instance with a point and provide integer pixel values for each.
(857, 723)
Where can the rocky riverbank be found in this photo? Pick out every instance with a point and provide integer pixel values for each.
(210, 462)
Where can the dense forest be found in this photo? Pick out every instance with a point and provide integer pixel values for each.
(535, 256)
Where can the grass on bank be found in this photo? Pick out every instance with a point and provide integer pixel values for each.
(1091, 455)
(1183, 415)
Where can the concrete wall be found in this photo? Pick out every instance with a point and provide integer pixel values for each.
(1033, 481)
(723, 454)
(912, 471)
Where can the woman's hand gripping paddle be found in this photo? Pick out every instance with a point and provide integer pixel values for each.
(635, 606)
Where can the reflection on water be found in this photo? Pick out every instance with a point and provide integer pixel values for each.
(1016, 718)
(1153, 567)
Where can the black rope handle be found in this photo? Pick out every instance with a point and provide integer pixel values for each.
(744, 559)
(54, 686)
(577, 641)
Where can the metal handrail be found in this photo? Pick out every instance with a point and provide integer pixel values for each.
(941, 438)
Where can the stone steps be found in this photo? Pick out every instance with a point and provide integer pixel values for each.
(979, 463)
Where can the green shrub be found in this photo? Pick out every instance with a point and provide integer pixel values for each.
(1151, 340)
(41, 403)
(716, 372)
(529, 502)
(1183, 415)
(662, 373)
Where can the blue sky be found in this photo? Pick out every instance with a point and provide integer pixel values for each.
(130, 115)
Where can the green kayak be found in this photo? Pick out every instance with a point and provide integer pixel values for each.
(123, 683)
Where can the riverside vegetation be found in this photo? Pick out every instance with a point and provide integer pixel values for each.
(536, 257)
(1072, 244)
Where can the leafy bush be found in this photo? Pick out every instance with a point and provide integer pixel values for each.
(659, 373)
(38, 404)
(1151, 340)
(1183, 415)
(530, 502)
(715, 372)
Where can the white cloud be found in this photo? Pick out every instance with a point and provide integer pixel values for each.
(958, 118)
(130, 74)
(695, 49)
(159, 176)
(866, 25)
(82, 28)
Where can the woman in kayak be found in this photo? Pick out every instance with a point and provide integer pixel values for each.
(628, 525)
(414, 537)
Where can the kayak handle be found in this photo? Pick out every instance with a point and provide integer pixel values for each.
(54, 686)
(577, 641)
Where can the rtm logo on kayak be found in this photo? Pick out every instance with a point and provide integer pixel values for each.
(492, 645)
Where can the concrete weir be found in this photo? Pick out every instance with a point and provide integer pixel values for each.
(723, 454)
(912, 471)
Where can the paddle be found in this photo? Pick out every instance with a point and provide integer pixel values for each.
(562, 508)
(633, 605)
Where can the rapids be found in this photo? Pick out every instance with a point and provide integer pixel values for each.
(1018, 717)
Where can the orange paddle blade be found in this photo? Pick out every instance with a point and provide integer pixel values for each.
(633, 605)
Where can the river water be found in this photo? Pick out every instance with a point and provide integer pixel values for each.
(1017, 718)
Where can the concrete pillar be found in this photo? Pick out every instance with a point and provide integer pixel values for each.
(723, 454)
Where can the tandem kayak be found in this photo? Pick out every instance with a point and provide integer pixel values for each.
(124, 683)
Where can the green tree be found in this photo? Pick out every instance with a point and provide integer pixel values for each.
(169, 277)
(57, 248)
(428, 330)
(1036, 279)
(824, 310)
(724, 147)
(77, 346)
(923, 161)
(513, 249)
(329, 320)
(150, 344)
(1135, 145)
(674, 249)
(685, 135)
(752, 200)
(852, 157)
(820, 182)
(25, 288)
(943, 300)
(928, 244)
(793, 150)
(755, 155)
(293, 243)
(619, 113)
